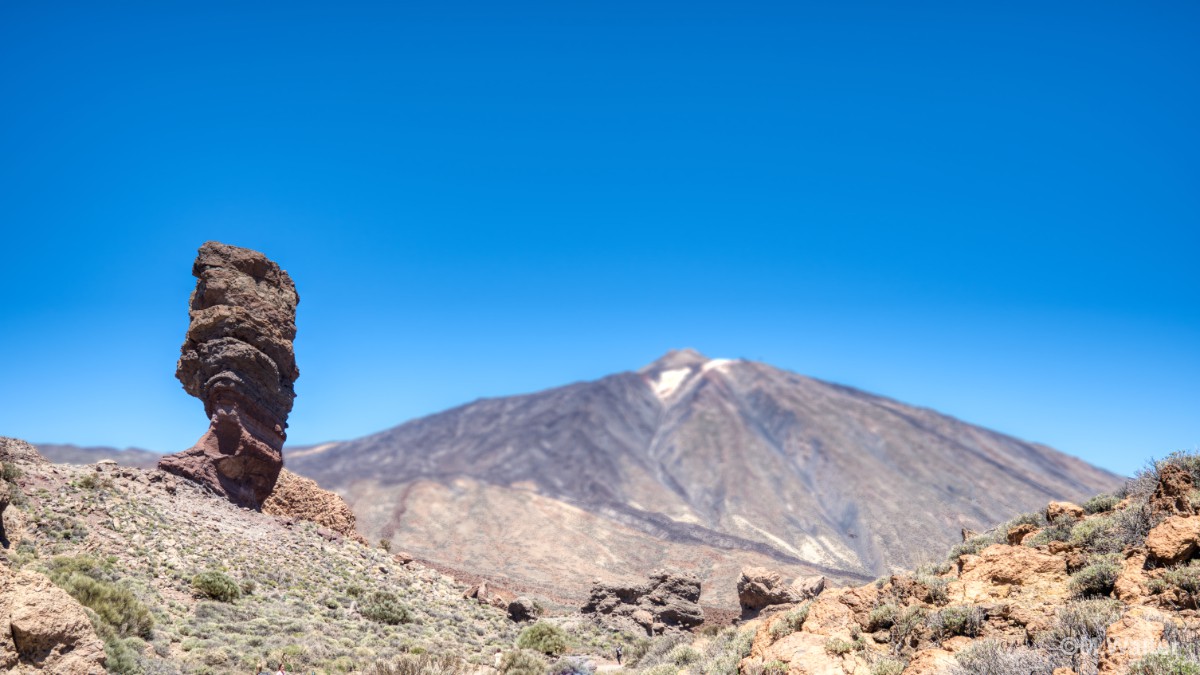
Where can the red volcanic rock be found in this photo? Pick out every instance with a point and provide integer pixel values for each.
(238, 359)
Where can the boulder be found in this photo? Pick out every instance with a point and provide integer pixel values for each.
(237, 358)
(43, 628)
(523, 609)
(1174, 540)
(759, 587)
(670, 598)
(1172, 495)
(5, 498)
(1017, 534)
(1057, 510)
(1137, 633)
(808, 587)
(299, 497)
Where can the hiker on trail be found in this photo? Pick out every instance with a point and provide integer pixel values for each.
(619, 655)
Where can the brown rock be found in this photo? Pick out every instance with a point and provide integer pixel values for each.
(43, 628)
(478, 592)
(238, 359)
(1129, 585)
(1172, 495)
(5, 498)
(931, 662)
(1174, 540)
(523, 609)
(759, 587)
(671, 598)
(998, 569)
(1137, 633)
(19, 452)
(1017, 534)
(1056, 510)
(808, 587)
(298, 497)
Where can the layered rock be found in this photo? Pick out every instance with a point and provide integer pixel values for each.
(237, 358)
(669, 599)
(298, 497)
(44, 629)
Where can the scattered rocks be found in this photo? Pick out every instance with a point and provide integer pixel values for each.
(238, 359)
(44, 629)
(1172, 495)
(1056, 510)
(669, 598)
(1174, 540)
(299, 497)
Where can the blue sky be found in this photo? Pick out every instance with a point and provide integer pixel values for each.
(990, 209)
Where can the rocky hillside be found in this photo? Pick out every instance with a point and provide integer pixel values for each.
(702, 464)
(175, 579)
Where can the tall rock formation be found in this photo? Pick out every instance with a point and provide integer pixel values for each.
(238, 359)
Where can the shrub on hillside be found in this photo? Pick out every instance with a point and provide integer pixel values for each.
(385, 607)
(421, 664)
(216, 586)
(1097, 579)
(887, 666)
(572, 665)
(1101, 503)
(790, 623)
(543, 637)
(956, 620)
(1166, 663)
(726, 650)
(522, 662)
(990, 657)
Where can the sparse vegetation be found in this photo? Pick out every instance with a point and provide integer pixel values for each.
(991, 657)
(522, 662)
(956, 620)
(1101, 503)
(790, 622)
(1166, 663)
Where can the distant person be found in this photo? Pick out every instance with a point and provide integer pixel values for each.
(619, 652)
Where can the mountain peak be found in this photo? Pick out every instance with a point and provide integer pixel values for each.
(676, 358)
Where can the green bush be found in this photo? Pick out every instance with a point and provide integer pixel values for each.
(1097, 535)
(522, 662)
(543, 637)
(726, 650)
(1101, 503)
(881, 617)
(1058, 530)
(1166, 663)
(10, 472)
(385, 607)
(957, 620)
(571, 666)
(115, 605)
(216, 585)
(888, 666)
(1097, 579)
(386, 545)
(790, 623)
(838, 646)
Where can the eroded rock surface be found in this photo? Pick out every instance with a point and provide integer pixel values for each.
(299, 497)
(42, 629)
(238, 359)
(759, 587)
(669, 599)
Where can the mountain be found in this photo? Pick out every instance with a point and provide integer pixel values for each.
(703, 464)
(64, 453)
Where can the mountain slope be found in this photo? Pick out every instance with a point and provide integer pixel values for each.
(692, 462)
(62, 453)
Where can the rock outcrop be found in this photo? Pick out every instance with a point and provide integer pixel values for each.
(1174, 540)
(1063, 510)
(16, 451)
(298, 497)
(523, 609)
(42, 629)
(238, 359)
(1172, 495)
(669, 599)
(759, 587)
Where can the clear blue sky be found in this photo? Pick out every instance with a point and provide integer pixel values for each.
(991, 209)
